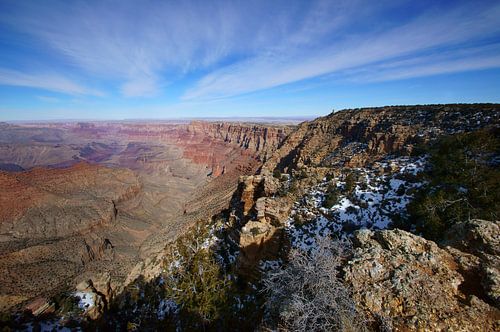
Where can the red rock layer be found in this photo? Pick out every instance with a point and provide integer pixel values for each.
(220, 146)
(90, 189)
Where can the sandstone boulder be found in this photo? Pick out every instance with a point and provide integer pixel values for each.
(480, 239)
(413, 284)
(259, 240)
(255, 186)
(475, 236)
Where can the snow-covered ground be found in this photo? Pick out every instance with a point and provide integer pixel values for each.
(165, 307)
(381, 193)
(85, 300)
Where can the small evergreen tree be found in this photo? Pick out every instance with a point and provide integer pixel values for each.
(197, 284)
(462, 183)
(331, 197)
(350, 183)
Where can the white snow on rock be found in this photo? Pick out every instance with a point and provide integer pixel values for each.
(381, 193)
(85, 300)
(49, 326)
(165, 307)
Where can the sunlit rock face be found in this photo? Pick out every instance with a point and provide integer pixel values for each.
(374, 144)
(414, 284)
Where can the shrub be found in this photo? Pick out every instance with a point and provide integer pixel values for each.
(351, 210)
(197, 285)
(301, 174)
(298, 220)
(308, 293)
(401, 190)
(350, 183)
(462, 183)
(331, 197)
(294, 187)
(66, 303)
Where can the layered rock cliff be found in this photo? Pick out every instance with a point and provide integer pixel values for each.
(261, 140)
(412, 283)
(354, 137)
(227, 146)
(54, 222)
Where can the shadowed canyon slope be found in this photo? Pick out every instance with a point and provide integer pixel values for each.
(80, 200)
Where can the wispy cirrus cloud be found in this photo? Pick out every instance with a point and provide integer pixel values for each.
(473, 58)
(430, 32)
(48, 99)
(143, 44)
(227, 48)
(45, 81)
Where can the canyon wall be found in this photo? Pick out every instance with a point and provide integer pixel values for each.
(350, 137)
(54, 222)
(98, 199)
(345, 139)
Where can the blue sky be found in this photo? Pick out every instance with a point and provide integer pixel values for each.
(171, 59)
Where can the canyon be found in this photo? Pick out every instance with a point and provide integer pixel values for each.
(106, 208)
(84, 200)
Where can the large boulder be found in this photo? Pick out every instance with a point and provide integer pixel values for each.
(413, 284)
(481, 239)
(259, 240)
(255, 186)
(475, 236)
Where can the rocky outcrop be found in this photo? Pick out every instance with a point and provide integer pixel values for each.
(357, 136)
(475, 236)
(258, 241)
(101, 292)
(476, 244)
(413, 285)
(398, 278)
(262, 236)
(254, 186)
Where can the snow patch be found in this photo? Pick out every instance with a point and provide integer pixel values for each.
(381, 193)
(85, 300)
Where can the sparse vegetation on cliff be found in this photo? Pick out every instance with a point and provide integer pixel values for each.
(196, 282)
(463, 182)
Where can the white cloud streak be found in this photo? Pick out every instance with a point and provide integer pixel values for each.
(51, 82)
(239, 47)
(475, 58)
(423, 34)
(142, 44)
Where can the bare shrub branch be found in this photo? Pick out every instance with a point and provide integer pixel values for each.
(308, 293)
